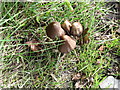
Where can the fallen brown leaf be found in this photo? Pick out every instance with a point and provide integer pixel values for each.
(76, 76)
(101, 48)
(78, 85)
(86, 38)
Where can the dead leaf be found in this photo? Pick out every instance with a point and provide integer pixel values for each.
(101, 48)
(86, 38)
(76, 76)
(78, 85)
(85, 31)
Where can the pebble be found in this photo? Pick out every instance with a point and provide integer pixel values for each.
(110, 82)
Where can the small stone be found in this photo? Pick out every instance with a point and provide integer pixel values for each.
(110, 82)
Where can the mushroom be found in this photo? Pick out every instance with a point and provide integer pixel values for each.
(66, 26)
(54, 30)
(76, 29)
(68, 45)
(34, 46)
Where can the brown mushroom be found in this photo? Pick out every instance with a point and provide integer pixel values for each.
(34, 45)
(68, 45)
(66, 26)
(54, 30)
(77, 29)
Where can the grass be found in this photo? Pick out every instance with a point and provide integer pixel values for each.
(23, 68)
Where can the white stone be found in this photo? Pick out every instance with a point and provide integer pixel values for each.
(110, 82)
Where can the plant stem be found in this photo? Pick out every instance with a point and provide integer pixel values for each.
(69, 5)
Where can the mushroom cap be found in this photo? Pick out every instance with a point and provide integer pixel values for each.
(68, 45)
(66, 26)
(77, 29)
(54, 30)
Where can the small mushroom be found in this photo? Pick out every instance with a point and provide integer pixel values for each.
(34, 46)
(77, 29)
(54, 30)
(66, 26)
(68, 45)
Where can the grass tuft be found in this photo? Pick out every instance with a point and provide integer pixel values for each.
(23, 68)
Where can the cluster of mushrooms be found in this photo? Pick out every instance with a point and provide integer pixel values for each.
(68, 32)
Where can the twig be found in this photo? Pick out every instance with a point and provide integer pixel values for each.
(63, 56)
(54, 77)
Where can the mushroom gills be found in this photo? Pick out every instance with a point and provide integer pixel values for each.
(68, 45)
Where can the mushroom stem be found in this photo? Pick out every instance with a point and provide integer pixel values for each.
(68, 45)
(69, 5)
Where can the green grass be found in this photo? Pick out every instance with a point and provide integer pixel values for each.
(21, 67)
